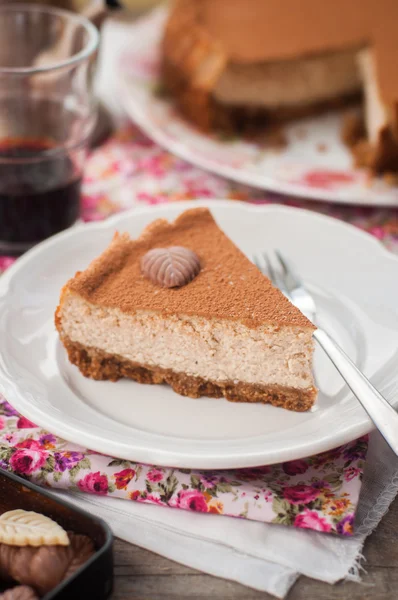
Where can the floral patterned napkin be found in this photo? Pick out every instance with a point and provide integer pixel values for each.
(319, 493)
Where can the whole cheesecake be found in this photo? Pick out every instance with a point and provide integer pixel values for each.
(183, 305)
(237, 64)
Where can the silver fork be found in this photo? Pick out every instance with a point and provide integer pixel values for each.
(379, 410)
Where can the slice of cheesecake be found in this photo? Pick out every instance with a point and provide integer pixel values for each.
(183, 305)
(243, 64)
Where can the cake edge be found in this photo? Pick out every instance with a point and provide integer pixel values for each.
(99, 365)
(202, 109)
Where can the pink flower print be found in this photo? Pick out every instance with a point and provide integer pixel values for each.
(90, 202)
(66, 460)
(11, 438)
(151, 198)
(8, 410)
(27, 460)
(263, 470)
(47, 441)
(300, 494)
(90, 218)
(149, 498)
(123, 167)
(326, 457)
(378, 232)
(192, 500)
(146, 67)
(249, 474)
(345, 526)
(2, 423)
(155, 475)
(355, 450)
(322, 486)
(295, 467)
(209, 481)
(5, 262)
(123, 478)
(254, 473)
(351, 473)
(29, 443)
(94, 483)
(327, 180)
(24, 423)
(310, 519)
(155, 165)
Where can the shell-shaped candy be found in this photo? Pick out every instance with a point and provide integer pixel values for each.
(27, 528)
(170, 267)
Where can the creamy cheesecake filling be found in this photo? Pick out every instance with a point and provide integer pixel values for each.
(215, 350)
(304, 81)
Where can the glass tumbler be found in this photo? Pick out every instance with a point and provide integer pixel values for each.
(47, 114)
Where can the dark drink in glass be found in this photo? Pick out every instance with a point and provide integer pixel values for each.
(39, 192)
(47, 114)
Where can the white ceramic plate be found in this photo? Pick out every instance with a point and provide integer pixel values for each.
(353, 278)
(314, 164)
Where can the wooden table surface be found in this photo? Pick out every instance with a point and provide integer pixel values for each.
(142, 575)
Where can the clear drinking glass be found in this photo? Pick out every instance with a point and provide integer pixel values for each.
(47, 114)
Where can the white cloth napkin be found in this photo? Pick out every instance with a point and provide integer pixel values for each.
(265, 557)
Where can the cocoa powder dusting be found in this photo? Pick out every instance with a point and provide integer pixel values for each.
(228, 286)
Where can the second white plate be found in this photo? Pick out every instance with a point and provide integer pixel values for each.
(353, 278)
(314, 163)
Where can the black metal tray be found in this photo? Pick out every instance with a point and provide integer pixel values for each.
(94, 579)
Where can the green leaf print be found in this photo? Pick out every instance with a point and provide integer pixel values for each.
(49, 465)
(245, 510)
(74, 472)
(170, 486)
(281, 506)
(195, 482)
(116, 462)
(334, 480)
(6, 453)
(40, 477)
(283, 519)
(85, 463)
(317, 504)
(57, 476)
(74, 488)
(223, 487)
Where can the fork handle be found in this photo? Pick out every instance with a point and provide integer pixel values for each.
(379, 410)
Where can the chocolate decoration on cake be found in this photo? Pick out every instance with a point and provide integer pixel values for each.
(170, 267)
